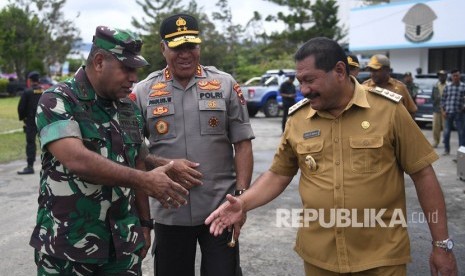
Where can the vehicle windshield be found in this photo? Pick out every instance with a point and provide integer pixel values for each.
(426, 85)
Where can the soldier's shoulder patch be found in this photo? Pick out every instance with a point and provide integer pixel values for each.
(393, 96)
(298, 105)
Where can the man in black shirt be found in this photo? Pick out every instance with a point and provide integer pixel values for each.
(288, 94)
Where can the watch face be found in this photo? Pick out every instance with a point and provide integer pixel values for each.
(450, 244)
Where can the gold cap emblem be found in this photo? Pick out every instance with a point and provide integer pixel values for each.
(181, 22)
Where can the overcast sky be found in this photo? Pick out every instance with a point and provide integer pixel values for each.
(118, 13)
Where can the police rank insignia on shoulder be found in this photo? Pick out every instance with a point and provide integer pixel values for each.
(386, 93)
(298, 105)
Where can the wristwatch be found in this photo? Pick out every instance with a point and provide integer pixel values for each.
(447, 244)
(147, 223)
(239, 192)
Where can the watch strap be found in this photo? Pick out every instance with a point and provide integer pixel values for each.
(239, 192)
(147, 223)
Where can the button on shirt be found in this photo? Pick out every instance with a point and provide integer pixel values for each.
(199, 123)
(360, 161)
(452, 100)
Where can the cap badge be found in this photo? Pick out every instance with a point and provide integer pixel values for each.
(365, 124)
(161, 127)
(311, 163)
(181, 23)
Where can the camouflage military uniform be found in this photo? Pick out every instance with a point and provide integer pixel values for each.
(80, 221)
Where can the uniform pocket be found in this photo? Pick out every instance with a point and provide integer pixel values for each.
(365, 154)
(160, 122)
(311, 154)
(212, 116)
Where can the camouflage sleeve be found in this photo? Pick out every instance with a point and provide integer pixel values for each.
(54, 119)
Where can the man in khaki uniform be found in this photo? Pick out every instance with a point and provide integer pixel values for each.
(196, 113)
(438, 119)
(380, 69)
(352, 145)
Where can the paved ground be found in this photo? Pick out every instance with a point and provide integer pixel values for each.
(265, 248)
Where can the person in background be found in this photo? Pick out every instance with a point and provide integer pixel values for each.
(350, 142)
(354, 65)
(411, 86)
(281, 77)
(93, 215)
(197, 116)
(288, 94)
(27, 108)
(380, 69)
(438, 119)
(452, 108)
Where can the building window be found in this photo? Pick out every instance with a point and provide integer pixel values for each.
(447, 59)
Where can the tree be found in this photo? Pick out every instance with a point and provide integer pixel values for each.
(62, 34)
(326, 21)
(232, 34)
(19, 37)
(305, 21)
(34, 35)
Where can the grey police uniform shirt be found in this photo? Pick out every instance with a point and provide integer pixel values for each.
(199, 123)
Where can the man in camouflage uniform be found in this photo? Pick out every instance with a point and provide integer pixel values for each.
(197, 113)
(27, 108)
(380, 69)
(93, 206)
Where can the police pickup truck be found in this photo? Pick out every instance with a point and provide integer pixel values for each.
(265, 95)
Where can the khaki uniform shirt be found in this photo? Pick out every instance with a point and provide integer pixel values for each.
(360, 161)
(199, 123)
(400, 88)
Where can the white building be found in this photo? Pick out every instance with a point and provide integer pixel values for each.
(429, 35)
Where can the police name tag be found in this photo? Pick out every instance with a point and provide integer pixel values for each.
(311, 134)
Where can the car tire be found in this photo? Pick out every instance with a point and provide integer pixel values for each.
(271, 108)
(252, 111)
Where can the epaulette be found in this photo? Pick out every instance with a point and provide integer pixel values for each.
(298, 105)
(386, 93)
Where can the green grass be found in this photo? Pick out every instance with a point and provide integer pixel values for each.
(12, 145)
(9, 114)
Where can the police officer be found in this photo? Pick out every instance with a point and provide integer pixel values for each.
(196, 113)
(352, 145)
(380, 69)
(27, 108)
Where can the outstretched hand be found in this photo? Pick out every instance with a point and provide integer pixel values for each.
(164, 189)
(229, 213)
